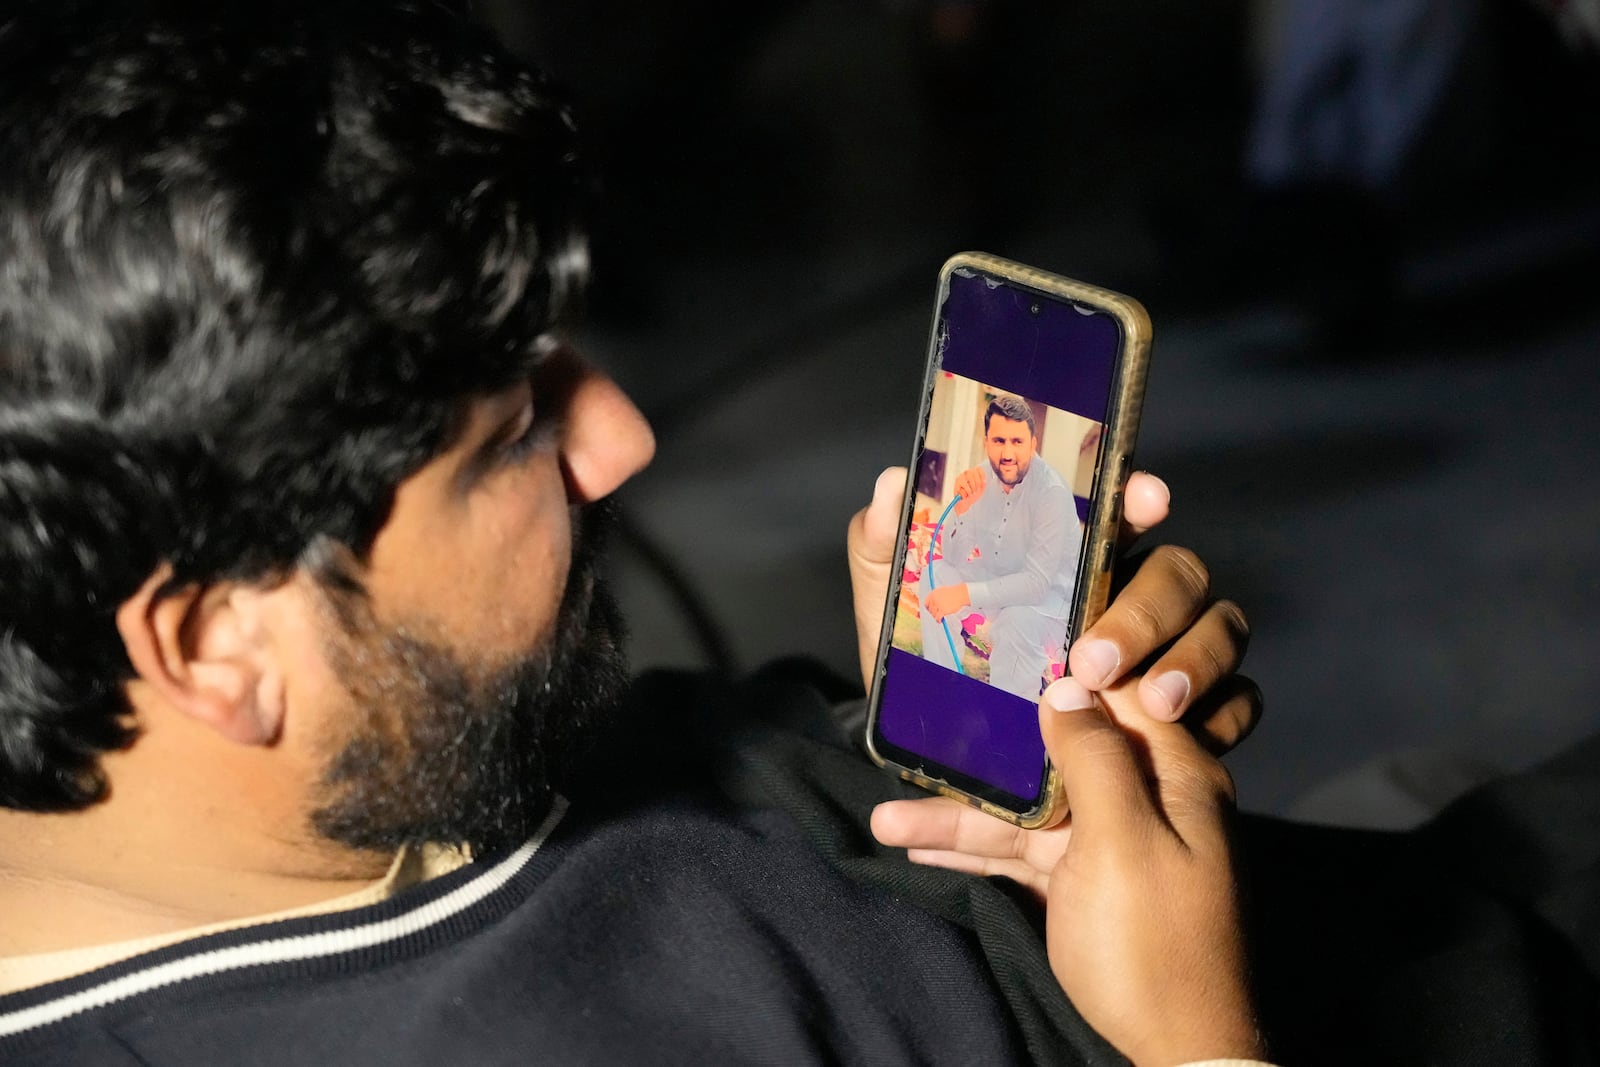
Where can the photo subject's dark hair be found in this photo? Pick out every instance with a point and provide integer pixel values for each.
(1010, 407)
(253, 260)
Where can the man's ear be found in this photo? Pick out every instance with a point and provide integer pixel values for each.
(204, 650)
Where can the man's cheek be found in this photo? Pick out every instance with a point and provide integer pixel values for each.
(528, 583)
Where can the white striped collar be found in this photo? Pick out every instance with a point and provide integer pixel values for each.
(426, 914)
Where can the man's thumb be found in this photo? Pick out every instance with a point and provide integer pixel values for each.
(1096, 760)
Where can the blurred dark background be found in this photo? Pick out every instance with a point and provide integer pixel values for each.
(1368, 232)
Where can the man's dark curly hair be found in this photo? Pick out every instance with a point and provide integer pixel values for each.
(1010, 407)
(254, 258)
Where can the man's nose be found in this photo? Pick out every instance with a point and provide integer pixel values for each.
(606, 439)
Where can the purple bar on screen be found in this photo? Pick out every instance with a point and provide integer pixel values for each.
(964, 724)
(1060, 356)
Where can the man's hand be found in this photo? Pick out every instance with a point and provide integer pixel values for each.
(946, 599)
(1166, 608)
(1142, 912)
(1142, 915)
(969, 487)
(1167, 601)
(1141, 921)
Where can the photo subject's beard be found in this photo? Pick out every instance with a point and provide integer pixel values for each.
(1019, 469)
(453, 752)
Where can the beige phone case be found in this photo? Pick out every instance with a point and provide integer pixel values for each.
(1105, 507)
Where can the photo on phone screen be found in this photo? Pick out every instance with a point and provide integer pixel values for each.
(991, 558)
(994, 544)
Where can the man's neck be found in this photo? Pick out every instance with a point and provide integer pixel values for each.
(57, 896)
(51, 914)
(165, 852)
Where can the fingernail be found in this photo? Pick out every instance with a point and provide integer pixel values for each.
(1172, 689)
(1065, 694)
(1096, 661)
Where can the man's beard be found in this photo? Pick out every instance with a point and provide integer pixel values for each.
(455, 752)
(1022, 472)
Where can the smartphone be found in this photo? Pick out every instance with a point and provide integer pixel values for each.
(1029, 411)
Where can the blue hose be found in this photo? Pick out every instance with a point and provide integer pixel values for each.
(932, 544)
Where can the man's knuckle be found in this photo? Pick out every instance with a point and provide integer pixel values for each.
(1222, 784)
(1207, 782)
(1189, 569)
(1140, 614)
(1099, 743)
(1214, 662)
(1234, 618)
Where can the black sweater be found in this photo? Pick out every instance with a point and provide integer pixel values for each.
(674, 913)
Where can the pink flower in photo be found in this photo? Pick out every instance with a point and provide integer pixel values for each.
(975, 634)
(1055, 665)
(974, 554)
